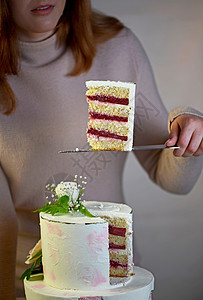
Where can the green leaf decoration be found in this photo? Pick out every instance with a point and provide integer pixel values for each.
(39, 253)
(85, 211)
(35, 277)
(35, 268)
(59, 206)
(63, 205)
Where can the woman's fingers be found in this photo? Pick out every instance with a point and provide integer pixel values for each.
(184, 139)
(187, 133)
(199, 150)
(194, 145)
(173, 136)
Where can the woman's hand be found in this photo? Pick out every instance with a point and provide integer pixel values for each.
(187, 133)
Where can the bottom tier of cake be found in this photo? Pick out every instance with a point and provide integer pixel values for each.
(139, 287)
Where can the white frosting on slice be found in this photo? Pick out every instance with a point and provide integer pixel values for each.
(129, 144)
(95, 83)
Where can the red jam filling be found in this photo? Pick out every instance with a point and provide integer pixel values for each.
(116, 264)
(107, 134)
(117, 230)
(95, 115)
(114, 246)
(110, 99)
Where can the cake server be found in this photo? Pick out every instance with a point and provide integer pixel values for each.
(135, 148)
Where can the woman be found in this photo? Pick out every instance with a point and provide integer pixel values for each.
(48, 49)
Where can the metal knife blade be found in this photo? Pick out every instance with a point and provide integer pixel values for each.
(152, 147)
(135, 148)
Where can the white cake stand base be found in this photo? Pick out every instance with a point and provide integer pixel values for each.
(138, 288)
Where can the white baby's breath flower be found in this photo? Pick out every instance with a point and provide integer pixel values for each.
(70, 203)
(68, 189)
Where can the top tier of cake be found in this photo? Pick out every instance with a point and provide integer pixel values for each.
(80, 252)
(111, 115)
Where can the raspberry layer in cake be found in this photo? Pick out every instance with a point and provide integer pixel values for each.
(111, 115)
(119, 218)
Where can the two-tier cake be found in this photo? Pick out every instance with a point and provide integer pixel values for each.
(86, 250)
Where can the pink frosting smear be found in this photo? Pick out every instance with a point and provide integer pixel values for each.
(98, 278)
(91, 298)
(53, 229)
(97, 241)
(99, 238)
(54, 257)
(53, 277)
(44, 269)
(38, 286)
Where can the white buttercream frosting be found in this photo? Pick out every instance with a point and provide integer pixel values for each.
(139, 287)
(74, 218)
(75, 252)
(108, 208)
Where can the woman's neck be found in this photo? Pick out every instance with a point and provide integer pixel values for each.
(34, 37)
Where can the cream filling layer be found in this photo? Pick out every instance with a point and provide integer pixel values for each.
(119, 128)
(109, 109)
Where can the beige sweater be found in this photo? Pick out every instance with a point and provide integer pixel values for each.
(52, 115)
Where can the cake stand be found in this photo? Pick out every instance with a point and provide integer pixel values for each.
(139, 287)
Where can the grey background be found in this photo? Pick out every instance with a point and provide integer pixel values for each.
(168, 228)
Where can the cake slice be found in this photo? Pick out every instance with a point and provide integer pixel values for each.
(111, 115)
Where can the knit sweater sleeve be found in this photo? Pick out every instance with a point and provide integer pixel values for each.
(8, 241)
(173, 174)
(182, 110)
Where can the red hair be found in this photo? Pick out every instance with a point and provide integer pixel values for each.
(81, 28)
